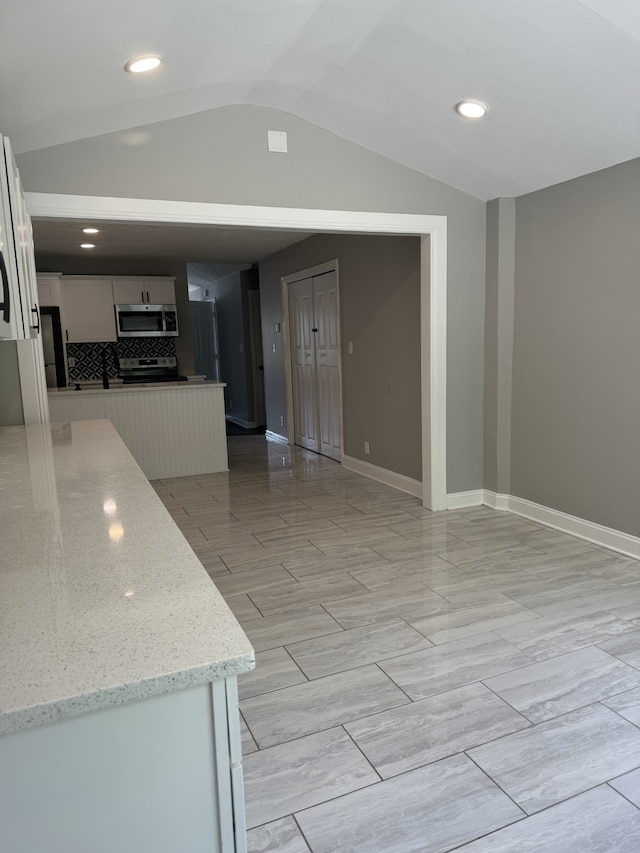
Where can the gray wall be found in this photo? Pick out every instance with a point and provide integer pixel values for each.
(231, 295)
(576, 403)
(379, 280)
(10, 395)
(491, 349)
(135, 266)
(498, 343)
(221, 156)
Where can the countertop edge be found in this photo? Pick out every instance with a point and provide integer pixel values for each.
(64, 709)
(71, 393)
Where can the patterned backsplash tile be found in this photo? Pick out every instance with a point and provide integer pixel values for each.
(88, 357)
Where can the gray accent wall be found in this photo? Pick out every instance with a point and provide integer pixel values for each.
(379, 284)
(498, 343)
(221, 156)
(576, 361)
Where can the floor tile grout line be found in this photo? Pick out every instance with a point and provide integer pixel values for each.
(300, 830)
(619, 793)
(497, 784)
(361, 751)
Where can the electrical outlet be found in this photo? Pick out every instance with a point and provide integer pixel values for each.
(350, 347)
(366, 448)
(281, 420)
(71, 361)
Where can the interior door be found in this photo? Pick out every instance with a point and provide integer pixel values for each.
(257, 358)
(314, 319)
(303, 364)
(328, 379)
(204, 334)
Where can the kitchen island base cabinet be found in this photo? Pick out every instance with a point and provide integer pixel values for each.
(171, 431)
(160, 775)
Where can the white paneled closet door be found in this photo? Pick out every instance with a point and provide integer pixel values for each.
(328, 380)
(303, 360)
(315, 354)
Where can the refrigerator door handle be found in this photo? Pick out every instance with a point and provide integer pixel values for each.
(35, 311)
(5, 306)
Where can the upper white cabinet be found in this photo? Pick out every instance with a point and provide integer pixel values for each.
(86, 302)
(49, 288)
(139, 290)
(19, 314)
(87, 309)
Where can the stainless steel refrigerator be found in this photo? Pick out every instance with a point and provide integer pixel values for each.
(52, 347)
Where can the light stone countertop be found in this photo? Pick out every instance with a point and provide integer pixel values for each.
(117, 386)
(102, 601)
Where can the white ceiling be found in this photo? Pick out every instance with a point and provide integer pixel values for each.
(561, 77)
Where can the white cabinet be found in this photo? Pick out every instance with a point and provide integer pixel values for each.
(86, 302)
(87, 309)
(139, 290)
(19, 308)
(49, 288)
(162, 774)
(19, 318)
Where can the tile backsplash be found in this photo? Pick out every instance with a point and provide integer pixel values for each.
(88, 364)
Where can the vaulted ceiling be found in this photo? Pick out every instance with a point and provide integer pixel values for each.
(561, 77)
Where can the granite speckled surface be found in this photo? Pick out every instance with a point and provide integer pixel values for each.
(102, 601)
(116, 386)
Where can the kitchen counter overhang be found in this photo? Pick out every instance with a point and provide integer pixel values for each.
(102, 601)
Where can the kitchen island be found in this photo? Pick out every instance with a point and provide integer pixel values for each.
(172, 429)
(119, 727)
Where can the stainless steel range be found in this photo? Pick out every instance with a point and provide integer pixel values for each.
(160, 369)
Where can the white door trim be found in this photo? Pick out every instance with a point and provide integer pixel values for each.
(433, 280)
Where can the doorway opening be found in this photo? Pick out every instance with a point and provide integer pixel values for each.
(431, 229)
(204, 337)
(53, 347)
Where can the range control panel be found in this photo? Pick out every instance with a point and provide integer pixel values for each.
(136, 363)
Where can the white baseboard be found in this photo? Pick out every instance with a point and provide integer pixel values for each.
(460, 500)
(274, 436)
(240, 422)
(495, 500)
(383, 475)
(607, 537)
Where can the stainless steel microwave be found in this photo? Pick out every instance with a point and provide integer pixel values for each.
(146, 321)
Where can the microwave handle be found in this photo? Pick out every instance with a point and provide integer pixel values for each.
(5, 305)
(142, 296)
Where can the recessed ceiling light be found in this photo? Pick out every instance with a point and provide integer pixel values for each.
(87, 245)
(89, 230)
(471, 109)
(146, 62)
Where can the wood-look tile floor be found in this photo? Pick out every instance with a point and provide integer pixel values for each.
(463, 680)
